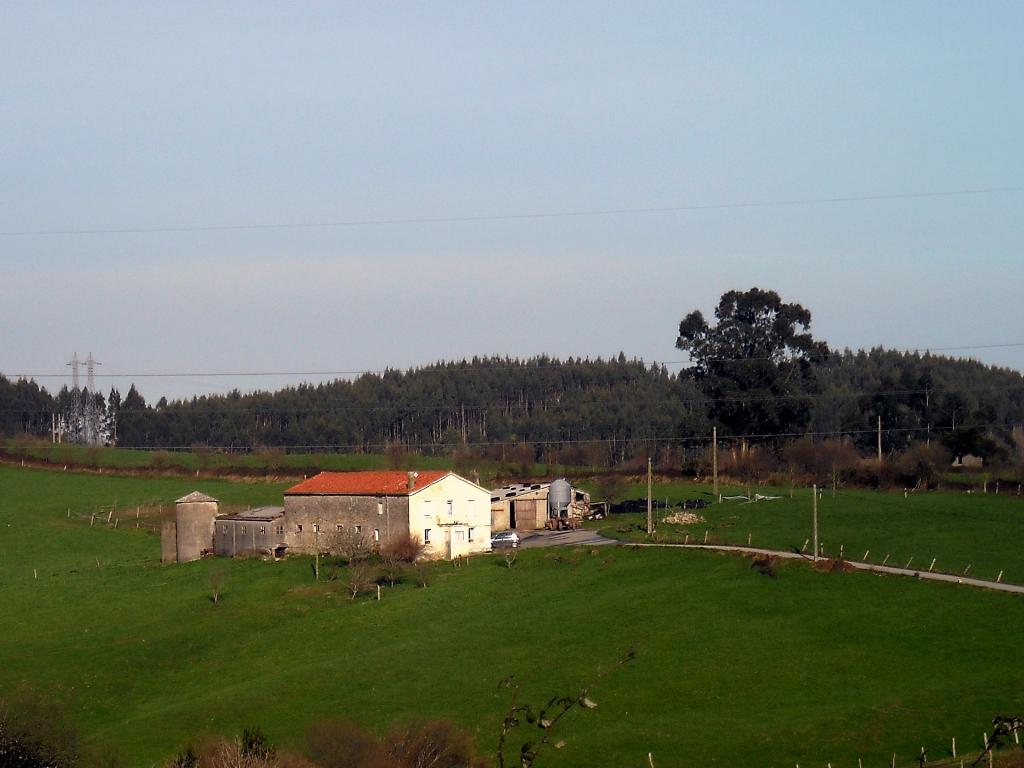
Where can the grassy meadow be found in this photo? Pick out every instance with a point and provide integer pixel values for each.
(956, 529)
(733, 667)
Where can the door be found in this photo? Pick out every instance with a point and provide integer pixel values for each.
(511, 514)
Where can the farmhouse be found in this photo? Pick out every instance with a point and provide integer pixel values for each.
(531, 506)
(450, 515)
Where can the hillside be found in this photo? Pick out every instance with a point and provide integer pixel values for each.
(733, 667)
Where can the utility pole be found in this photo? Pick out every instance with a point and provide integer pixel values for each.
(879, 442)
(714, 460)
(650, 511)
(814, 506)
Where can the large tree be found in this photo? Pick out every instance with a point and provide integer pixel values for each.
(757, 364)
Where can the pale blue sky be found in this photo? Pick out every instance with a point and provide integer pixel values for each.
(138, 115)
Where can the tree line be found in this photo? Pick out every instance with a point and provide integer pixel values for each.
(755, 373)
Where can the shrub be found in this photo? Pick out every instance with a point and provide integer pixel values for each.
(404, 549)
(437, 744)
(160, 460)
(360, 578)
(342, 744)
(35, 734)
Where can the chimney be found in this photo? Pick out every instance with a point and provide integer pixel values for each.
(412, 480)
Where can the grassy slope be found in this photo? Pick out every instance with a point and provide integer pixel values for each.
(957, 529)
(733, 667)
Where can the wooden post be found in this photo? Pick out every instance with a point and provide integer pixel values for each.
(999, 577)
(705, 535)
(886, 560)
(954, 747)
(378, 591)
(932, 565)
(110, 514)
(967, 569)
(749, 537)
(866, 553)
(804, 547)
(815, 508)
(714, 460)
(650, 513)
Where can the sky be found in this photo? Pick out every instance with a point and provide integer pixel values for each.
(150, 151)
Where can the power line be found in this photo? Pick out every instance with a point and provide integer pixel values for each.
(512, 216)
(448, 367)
(566, 441)
(541, 405)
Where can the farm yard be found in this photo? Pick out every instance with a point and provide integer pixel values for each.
(733, 665)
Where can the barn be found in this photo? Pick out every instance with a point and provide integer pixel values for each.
(532, 506)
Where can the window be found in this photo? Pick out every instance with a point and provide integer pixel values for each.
(380, 506)
(263, 530)
(470, 534)
(280, 530)
(243, 529)
(316, 527)
(359, 529)
(223, 529)
(451, 507)
(376, 534)
(426, 535)
(298, 528)
(460, 535)
(340, 528)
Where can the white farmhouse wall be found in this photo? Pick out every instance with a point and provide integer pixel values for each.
(452, 509)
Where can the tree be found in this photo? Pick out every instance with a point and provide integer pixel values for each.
(757, 364)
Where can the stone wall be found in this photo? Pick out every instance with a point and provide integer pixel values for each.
(339, 516)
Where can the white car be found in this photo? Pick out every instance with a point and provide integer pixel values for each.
(504, 539)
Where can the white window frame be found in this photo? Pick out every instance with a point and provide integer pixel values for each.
(426, 536)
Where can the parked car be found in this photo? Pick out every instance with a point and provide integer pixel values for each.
(504, 539)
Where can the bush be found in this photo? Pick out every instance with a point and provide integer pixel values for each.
(405, 549)
(342, 744)
(35, 734)
(437, 744)
(421, 744)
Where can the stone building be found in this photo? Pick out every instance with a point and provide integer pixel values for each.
(253, 532)
(448, 514)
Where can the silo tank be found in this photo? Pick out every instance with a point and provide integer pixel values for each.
(559, 498)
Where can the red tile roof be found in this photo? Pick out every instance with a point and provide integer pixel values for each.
(385, 483)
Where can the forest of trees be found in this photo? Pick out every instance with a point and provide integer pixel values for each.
(756, 375)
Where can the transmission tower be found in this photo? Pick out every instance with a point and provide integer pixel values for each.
(92, 415)
(75, 420)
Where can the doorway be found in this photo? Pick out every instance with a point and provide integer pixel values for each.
(511, 514)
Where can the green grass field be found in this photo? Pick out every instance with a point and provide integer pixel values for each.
(985, 531)
(267, 462)
(733, 667)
